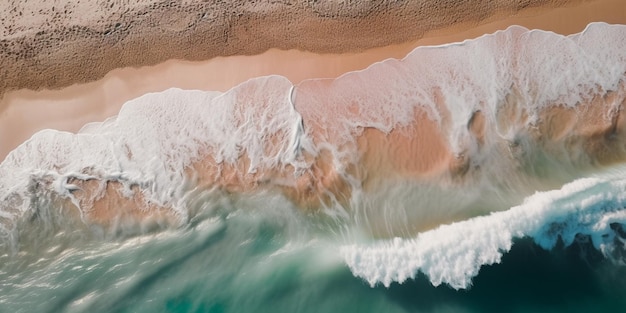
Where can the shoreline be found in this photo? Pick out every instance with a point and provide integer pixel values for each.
(451, 119)
(24, 112)
(357, 133)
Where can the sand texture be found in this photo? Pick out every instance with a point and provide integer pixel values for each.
(45, 44)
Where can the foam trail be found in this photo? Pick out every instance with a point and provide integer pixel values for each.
(453, 254)
(145, 154)
(298, 134)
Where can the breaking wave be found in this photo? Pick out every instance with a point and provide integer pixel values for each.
(586, 209)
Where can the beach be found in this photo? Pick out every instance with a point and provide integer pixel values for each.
(211, 156)
(25, 111)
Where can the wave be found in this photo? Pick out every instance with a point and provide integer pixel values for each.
(588, 208)
(458, 134)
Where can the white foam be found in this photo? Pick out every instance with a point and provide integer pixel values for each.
(152, 141)
(516, 70)
(480, 73)
(454, 253)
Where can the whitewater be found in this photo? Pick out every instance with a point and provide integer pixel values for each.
(434, 183)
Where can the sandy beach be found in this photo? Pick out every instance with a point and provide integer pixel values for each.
(53, 45)
(24, 111)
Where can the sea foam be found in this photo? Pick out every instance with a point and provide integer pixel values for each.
(453, 254)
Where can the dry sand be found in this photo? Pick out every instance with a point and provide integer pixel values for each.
(52, 44)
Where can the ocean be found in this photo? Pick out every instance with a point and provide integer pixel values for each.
(493, 181)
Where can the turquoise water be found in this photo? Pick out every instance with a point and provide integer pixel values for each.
(279, 260)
